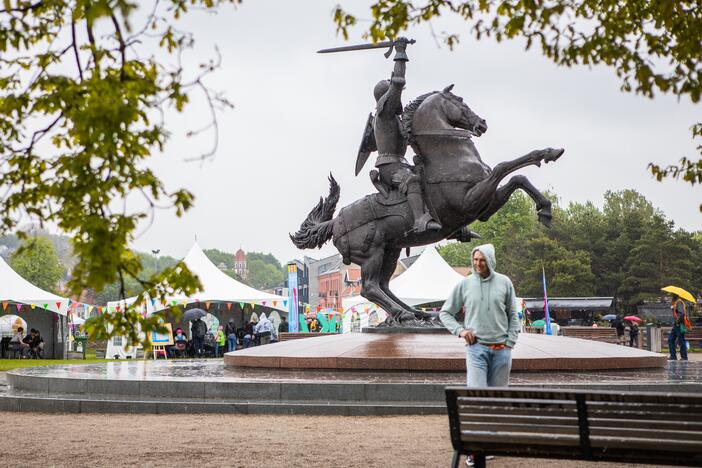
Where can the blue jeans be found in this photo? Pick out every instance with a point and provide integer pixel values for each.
(488, 367)
(673, 337)
(231, 343)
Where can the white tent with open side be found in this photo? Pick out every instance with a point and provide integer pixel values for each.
(22, 299)
(216, 287)
(429, 279)
(17, 290)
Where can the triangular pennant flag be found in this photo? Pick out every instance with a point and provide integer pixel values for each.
(229, 305)
(318, 308)
(241, 304)
(90, 309)
(285, 303)
(4, 305)
(19, 307)
(153, 302)
(118, 307)
(58, 306)
(263, 302)
(46, 306)
(252, 304)
(34, 306)
(174, 302)
(99, 309)
(275, 303)
(184, 302)
(207, 305)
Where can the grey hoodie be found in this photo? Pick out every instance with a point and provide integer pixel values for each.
(490, 305)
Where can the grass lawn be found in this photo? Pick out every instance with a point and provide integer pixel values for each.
(9, 364)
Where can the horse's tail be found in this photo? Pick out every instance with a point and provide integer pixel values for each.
(317, 228)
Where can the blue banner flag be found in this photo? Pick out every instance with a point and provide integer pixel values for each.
(547, 315)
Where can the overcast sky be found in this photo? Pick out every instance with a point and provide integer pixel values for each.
(299, 116)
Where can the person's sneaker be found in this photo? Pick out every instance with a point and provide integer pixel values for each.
(469, 459)
(683, 359)
(672, 359)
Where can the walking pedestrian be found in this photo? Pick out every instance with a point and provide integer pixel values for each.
(677, 332)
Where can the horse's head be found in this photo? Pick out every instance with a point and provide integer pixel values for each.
(459, 114)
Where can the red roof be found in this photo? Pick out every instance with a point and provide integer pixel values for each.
(240, 256)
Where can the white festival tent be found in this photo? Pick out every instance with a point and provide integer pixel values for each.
(17, 290)
(216, 287)
(429, 279)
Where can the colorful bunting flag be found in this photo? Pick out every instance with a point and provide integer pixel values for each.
(263, 302)
(207, 305)
(229, 305)
(275, 303)
(34, 306)
(241, 304)
(19, 307)
(4, 305)
(46, 306)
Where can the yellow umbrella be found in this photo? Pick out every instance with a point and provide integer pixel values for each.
(680, 292)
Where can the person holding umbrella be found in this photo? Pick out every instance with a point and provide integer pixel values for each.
(199, 330)
(681, 324)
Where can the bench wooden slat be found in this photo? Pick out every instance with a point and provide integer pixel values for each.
(602, 422)
(647, 433)
(626, 414)
(592, 395)
(517, 438)
(516, 427)
(644, 443)
(544, 420)
(654, 407)
(530, 402)
(520, 411)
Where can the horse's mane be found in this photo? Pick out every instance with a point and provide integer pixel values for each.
(408, 114)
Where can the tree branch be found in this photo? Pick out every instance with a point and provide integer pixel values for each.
(75, 49)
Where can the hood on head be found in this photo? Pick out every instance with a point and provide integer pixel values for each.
(263, 316)
(488, 250)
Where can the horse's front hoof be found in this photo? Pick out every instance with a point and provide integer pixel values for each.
(553, 154)
(545, 217)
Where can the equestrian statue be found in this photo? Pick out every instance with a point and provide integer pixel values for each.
(447, 188)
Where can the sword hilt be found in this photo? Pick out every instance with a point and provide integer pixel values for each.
(392, 46)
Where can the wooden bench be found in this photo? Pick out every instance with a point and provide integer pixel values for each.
(286, 336)
(634, 427)
(606, 335)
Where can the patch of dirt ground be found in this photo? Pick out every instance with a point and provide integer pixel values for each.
(37, 439)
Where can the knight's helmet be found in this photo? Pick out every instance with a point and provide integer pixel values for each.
(380, 89)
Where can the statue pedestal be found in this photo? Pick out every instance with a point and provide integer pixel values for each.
(435, 350)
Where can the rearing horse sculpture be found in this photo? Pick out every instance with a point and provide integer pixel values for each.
(459, 188)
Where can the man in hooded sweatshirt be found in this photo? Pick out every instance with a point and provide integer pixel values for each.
(491, 323)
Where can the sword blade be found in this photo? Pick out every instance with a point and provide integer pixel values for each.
(379, 45)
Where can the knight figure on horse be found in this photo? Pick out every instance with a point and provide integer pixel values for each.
(385, 133)
(448, 188)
